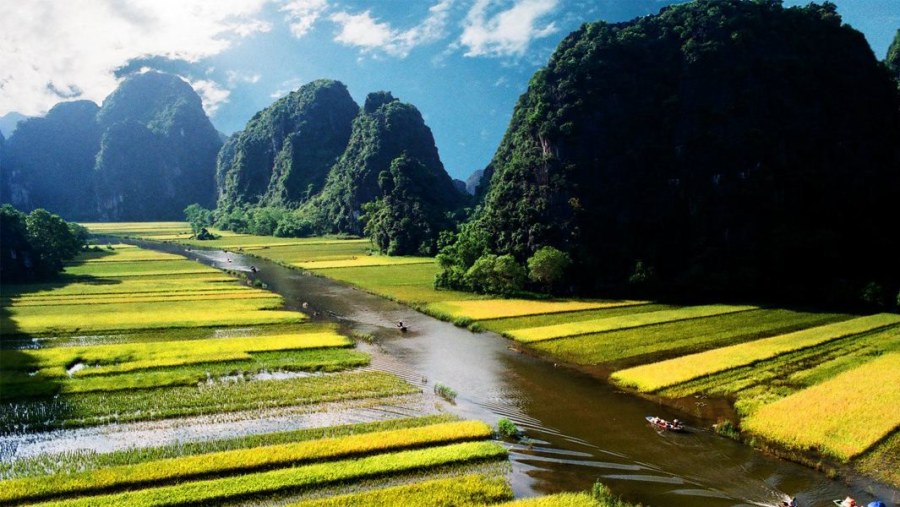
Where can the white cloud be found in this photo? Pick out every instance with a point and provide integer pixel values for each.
(211, 93)
(77, 44)
(368, 34)
(234, 77)
(286, 87)
(302, 14)
(507, 32)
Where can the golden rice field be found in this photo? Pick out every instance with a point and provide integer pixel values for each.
(655, 376)
(125, 357)
(841, 417)
(151, 292)
(483, 309)
(368, 260)
(536, 334)
(239, 461)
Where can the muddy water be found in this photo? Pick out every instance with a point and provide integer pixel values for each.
(579, 429)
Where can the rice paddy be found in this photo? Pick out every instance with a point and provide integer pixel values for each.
(675, 371)
(551, 332)
(240, 461)
(299, 478)
(868, 397)
(771, 362)
(504, 308)
(134, 335)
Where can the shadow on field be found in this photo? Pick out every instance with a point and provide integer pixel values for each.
(28, 398)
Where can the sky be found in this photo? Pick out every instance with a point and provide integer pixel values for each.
(463, 63)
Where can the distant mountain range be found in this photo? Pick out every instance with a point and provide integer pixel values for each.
(145, 155)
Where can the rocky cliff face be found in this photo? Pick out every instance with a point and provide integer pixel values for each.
(283, 155)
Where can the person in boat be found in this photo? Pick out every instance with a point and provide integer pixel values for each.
(849, 502)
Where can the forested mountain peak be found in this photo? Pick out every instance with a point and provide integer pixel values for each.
(392, 164)
(719, 147)
(286, 150)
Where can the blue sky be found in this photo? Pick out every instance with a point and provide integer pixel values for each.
(463, 63)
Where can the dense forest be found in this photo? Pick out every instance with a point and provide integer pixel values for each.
(722, 148)
(145, 155)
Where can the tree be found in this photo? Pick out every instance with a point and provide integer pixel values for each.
(198, 216)
(16, 255)
(547, 267)
(52, 241)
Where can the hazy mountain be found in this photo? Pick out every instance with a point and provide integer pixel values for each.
(720, 147)
(9, 121)
(158, 150)
(474, 180)
(145, 155)
(49, 161)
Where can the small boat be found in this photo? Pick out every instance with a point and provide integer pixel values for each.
(850, 502)
(662, 424)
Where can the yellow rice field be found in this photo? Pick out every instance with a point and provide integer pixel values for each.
(59, 319)
(843, 416)
(359, 261)
(124, 357)
(483, 309)
(654, 376)
(535, 334)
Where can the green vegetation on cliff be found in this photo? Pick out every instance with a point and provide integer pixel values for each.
(283, 155)
(374, 171)
(720, 148)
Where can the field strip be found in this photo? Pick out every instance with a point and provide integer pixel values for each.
(222, 313)
(72, 462)
(239, 461)
(218, 491)
(654, 376)
(483, 309)
(560, 500)
(125, 357)
(843, 416)
(472, 489)
(96, 408)
(235, 293)
(363, 261)
(682, 336)
(535, 334)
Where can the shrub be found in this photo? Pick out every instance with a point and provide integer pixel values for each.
(445, 392)
(507, 428)
(492, 274)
